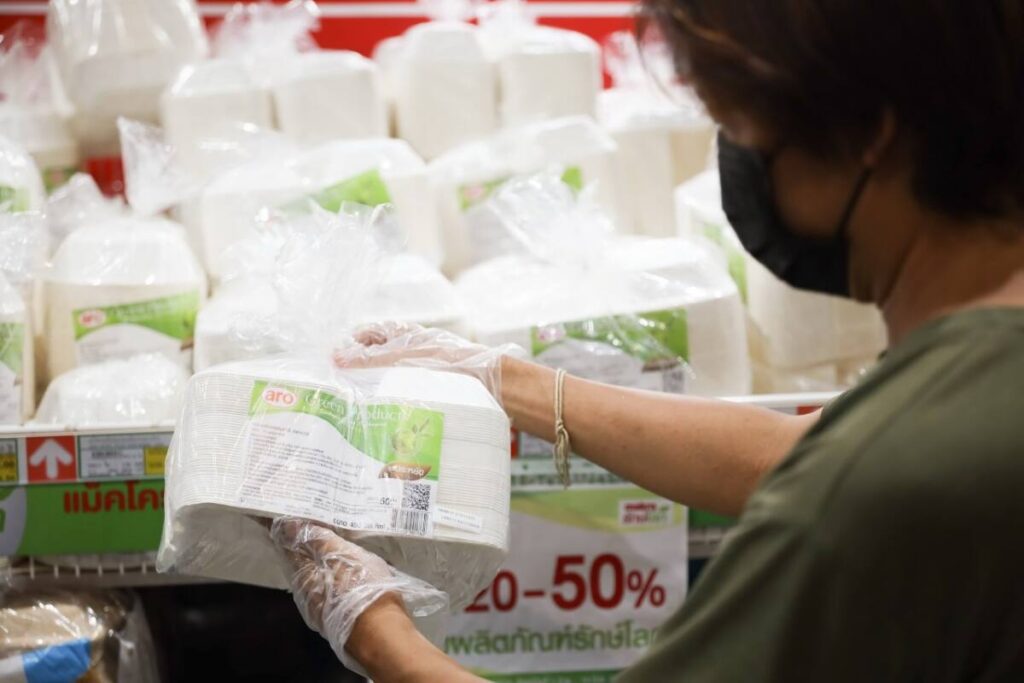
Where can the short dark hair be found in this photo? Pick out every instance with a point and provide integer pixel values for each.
(820, 73)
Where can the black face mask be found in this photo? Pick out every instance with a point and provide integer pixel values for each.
(818, 265)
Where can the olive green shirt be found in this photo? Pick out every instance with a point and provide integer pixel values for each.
(889, 545)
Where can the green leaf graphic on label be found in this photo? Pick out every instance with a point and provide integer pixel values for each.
(737, 264)
(573, 177)
(13, 199)
(368, 189)
(174, 316)
(406, 439)
(12, 342)
(657, 338)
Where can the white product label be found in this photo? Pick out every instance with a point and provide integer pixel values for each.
(458, 520)
(165, 326)
(12, 341)
(312, 454)
(123, 456)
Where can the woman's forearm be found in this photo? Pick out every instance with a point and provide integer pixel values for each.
(701, 452)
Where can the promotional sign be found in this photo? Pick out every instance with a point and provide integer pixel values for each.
(593, 571)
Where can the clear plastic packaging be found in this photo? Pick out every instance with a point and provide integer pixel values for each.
(17, 377)
(115, 57)
(32, 110)
(628, 311)
(663, 136)
(543, 72)
(798, 339)
(411, 463)
(21, 186)
(445, 87)
(58, 636)
(76, 203)
(118, 287)
(467, 177)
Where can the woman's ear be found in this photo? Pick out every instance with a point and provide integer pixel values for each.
(884, 140)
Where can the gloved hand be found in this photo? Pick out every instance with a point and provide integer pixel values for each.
(404, 344)
(334, 581)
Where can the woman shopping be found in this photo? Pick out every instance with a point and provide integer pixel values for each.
(871, 150)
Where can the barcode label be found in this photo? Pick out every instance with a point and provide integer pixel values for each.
(410, 521)
(416, 496)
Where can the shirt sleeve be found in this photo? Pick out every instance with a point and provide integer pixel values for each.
(775, 607)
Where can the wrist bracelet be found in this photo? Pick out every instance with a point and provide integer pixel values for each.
(562, 449)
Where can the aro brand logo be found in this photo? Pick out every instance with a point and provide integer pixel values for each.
(279, 398)
(94, 317)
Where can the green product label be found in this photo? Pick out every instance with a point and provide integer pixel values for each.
(174, 316)
(368, 189)
(56, 176)
(657, 338)
(735, 260)
(473, 194)
(405, 438)
(12, 343)
(14, 199)
(50, 519)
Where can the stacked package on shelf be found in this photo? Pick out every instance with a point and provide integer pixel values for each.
(799, 341)
(120, 286)
(32, 110)
(444, 87)
(625, 310)
(662, 136)
(115, 57)
(17, 381)
(543, 72)
(21, 186)
(84, 636)
(410, 463)
(466, 177)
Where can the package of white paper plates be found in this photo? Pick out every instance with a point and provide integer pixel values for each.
(119, 287)
(116, 56)
(624, 310)
(543, 72)
(17, 377)
(410, 463)
(662, 138)
(445, 87)
(799, 340)
(467, 177)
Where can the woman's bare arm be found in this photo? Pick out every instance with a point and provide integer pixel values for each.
(701, 452)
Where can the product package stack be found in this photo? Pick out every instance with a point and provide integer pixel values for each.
(662, 135)
(465, 178)
(799, 341)
(33, 109)
(17, 382)
(115, 57)
(94, 636)
(21, 186)
(543, 72)
(411, 463)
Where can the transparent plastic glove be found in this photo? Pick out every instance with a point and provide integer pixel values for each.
(390, 343)
(334, 581)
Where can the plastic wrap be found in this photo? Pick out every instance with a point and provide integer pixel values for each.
(331, 95)
(32, 110)
(118, 287)
(207, 101)
(63, 637)
(662, 135)
(628, 311)
(798, 339)
(21, 186)
(543, 73)
(413, 464)
(467, 177)
(75, 204)
(17, 379)
(445, 88)
(115, 57)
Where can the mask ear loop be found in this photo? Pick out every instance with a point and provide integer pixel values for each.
(843, 230)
